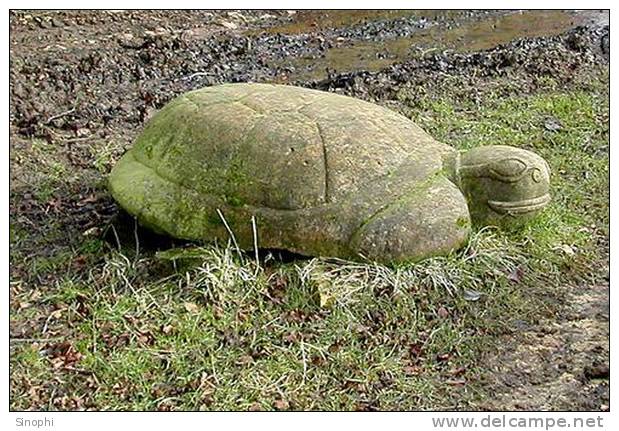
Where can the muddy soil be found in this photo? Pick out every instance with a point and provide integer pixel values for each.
(83, 77)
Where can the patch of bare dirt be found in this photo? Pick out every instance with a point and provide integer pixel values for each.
(560, 362)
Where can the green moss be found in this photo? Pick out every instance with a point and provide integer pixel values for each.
(463, 222)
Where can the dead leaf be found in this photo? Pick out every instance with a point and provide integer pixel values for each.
(191, 307)
(244, 360)
(415, 350)
(457, 371)
(441, 357)
(471, 295)
(79, 262)
(552, 125)
(21, 305)
(412, 370)
(227, 24)
(218, 312)
(442, 312)
(255, 407)
(327, 300)
(569, 250)
(291, 337)
(57, 314)
(282, 405)
(516, 275)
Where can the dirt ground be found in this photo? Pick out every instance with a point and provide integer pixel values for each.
(83, 77)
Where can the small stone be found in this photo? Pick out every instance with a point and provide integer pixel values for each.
(552, 125)
(596, 371)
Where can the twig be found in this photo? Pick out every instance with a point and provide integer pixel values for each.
(236, 245)
(193, 75)
(255, 232)
(34, 340)
(115, 236)
(45, 327)
(62, 114)
(137, 240)
(304, 362)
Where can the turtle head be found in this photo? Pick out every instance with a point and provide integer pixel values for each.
(503, 185)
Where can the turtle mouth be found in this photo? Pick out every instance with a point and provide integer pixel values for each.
(520, 207)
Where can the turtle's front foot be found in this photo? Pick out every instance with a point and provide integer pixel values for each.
(426, 223)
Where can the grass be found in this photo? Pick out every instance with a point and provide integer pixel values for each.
(97, 326)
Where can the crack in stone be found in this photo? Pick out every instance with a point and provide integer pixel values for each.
(419, 188)
(194, 190)
(253, 108)
(326, 164)
(324, 149)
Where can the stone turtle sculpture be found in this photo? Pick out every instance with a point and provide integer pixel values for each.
(318, 174)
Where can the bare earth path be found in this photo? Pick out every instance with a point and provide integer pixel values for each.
(558, 363)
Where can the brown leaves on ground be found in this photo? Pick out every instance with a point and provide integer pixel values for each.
(281, 405)
(63, 355)
(191, 307)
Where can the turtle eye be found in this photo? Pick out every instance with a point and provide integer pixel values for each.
(510, 169)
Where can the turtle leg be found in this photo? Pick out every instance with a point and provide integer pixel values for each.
(431, 220)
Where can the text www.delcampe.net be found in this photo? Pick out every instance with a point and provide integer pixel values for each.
(518, 422)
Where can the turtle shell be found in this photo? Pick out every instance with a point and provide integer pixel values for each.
(311, 167)
(277, 146)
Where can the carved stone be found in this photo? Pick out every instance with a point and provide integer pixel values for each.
(321, 174)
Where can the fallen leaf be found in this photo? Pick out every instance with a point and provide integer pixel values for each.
(567, 249)
(191, 307)
(21, 305)
(442, 312)
(228, 24)
(79, 262)
(457, 371)
(244, 360)
(326, 297)
(471, 295)
(282, 405)
(57, 314)
(255, 407)
(412, 370)
(443, 357)
(516, 275)
(415, 350)
(552, 125)
(292, 337)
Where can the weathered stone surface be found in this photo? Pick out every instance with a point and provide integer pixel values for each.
(503, 185)
(322, 174)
